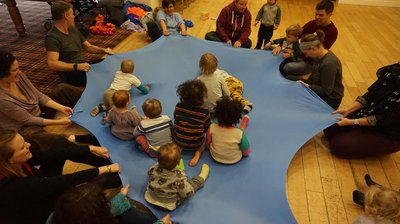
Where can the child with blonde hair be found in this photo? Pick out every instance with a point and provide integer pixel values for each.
(381, 206)
(226, 142)
(289, 44)
(219, 83)
(123, 80)
(168, 186)
(122, 120)
(154, 129)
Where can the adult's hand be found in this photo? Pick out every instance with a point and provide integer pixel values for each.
(99, 151)
(85, 67)
(343, 112)
(108, 50)
(342, 121)
(305, 84)
(165, 32)
(229, 42)
(184, 33)
(66, 110)
(64, 121)
(276, 51)
(125, 190)
(112, 168)
(237, 44)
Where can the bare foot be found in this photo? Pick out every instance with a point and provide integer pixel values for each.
(195, 158)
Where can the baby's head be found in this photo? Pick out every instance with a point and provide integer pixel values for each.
(293, 33)
(192, 92)
(382, 204)
(228, 111)
(208, 63)
(121, 99)
(127, 66)
(169, 156)
(152, 108)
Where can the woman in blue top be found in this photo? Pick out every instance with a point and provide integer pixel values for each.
(170, 21)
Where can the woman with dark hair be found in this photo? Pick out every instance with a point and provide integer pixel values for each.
(87, 203)
(326, 75)
(28, 194)
(20, 107)
(370, 126)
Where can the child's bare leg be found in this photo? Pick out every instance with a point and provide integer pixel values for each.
(196, 156)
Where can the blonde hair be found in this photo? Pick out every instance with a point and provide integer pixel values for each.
(295, 30)
(382, 204)
(169, 156)
(121, 98)
(208, 63)
(6, 153)
(127, 66)
(152, 108)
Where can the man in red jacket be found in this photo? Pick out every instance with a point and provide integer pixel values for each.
(233, 25)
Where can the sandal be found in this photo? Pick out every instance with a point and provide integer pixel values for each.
(96, 110)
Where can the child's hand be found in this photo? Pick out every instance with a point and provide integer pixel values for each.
(133, 107)
(148, 86)
(255, 24)
(276, 51)
(268, 45)
(276, 26)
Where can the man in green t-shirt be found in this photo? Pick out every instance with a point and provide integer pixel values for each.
(64, 44)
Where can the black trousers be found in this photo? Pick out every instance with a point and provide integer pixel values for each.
(264, 35)
(77, 78)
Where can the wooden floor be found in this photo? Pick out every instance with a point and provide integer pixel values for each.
(319, 186)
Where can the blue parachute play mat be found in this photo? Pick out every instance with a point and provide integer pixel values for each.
(286, 114)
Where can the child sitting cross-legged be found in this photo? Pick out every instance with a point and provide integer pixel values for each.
(122, 120)
(192, 118)
(154, 129)
(168, 185)
(228, 143)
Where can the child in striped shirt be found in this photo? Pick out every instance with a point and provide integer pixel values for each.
(154, 130)
(192, 118)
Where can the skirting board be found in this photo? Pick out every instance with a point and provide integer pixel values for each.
(388, 3)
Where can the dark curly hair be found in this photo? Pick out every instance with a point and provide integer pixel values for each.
(228, 111)
(192, 92)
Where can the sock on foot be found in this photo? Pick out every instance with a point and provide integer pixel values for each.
(205, 169)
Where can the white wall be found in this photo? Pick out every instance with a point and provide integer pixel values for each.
(389, 3)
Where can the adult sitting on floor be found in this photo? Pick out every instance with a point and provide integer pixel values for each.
(20, 108)
(27, 195)
(326, 76)
(233, 25)
(64, 45)
(371, 125)
(322, 21)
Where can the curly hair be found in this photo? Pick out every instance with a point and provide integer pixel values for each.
(152, 108)
(169, 156)
(228, 111)
(192, 92)
(85, 203)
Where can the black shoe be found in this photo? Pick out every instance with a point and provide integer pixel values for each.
(369, 181)
(358, 197)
